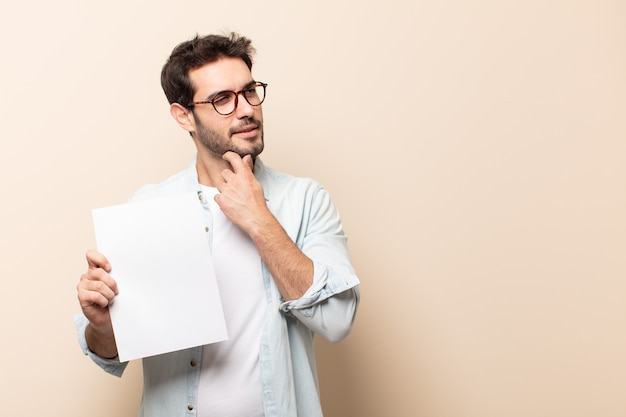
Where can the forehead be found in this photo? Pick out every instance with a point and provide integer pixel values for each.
(223, 74)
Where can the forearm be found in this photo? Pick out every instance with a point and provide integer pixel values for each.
(101, 341)
(291, 269)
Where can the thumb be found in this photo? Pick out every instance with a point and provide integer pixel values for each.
(247, 160)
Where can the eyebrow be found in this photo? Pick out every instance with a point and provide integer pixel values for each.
(249, 84)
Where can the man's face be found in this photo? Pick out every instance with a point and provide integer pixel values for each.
(242, 130)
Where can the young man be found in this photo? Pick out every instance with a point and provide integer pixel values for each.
(278, 248)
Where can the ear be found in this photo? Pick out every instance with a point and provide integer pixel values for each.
(183, 116)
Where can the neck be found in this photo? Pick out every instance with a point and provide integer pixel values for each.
(210, 167)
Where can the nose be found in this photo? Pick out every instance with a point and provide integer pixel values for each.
(243, 109)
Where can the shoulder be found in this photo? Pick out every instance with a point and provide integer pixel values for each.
(180, 182)
(277, 183)
(289, 196)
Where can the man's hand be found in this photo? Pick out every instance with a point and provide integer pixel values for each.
(96, 291)
(241, 196)
(242, 200)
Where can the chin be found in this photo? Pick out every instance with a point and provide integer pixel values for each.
(253, 150)
(251, 153)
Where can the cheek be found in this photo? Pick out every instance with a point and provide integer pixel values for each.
(221, 128)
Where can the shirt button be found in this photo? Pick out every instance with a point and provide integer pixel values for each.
(206, 228)
(194, 362)
(190, 406)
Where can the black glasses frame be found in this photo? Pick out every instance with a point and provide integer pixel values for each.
(236, 93)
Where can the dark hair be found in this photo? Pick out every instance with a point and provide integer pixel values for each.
(194, 54)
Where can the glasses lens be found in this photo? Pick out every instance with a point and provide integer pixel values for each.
(255, 95)
(224, 102)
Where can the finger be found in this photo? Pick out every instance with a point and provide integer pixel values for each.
(247, 160)
(89, 288)
(93, 298)
(235, 161)
(97, 260)
(226, 176)
(94, 292)
(218, 199)
(99, 275)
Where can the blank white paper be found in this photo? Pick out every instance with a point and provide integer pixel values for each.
(168, 296)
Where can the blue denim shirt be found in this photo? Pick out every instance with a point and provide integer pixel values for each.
(287, 361)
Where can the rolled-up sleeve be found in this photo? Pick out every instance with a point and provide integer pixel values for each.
(112, 366)
(329, 306)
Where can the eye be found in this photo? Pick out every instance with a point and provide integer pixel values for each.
(221, 98)
(250, 92)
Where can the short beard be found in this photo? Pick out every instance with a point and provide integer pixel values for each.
(216, 143)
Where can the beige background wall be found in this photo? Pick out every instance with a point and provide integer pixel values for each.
(476, 151)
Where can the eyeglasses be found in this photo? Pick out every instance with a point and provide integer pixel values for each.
(225, 102)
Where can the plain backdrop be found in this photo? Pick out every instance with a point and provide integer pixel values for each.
(475, 149)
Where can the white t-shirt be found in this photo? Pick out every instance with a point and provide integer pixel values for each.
(230, 380)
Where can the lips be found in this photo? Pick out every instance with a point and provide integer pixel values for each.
(246, 129)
